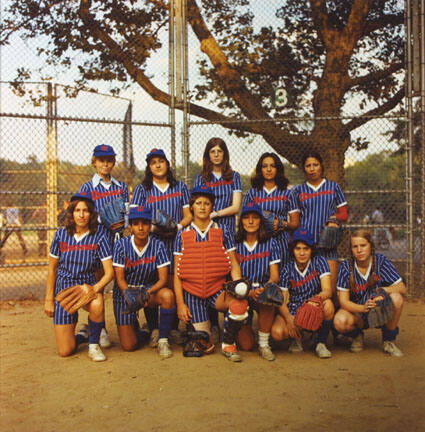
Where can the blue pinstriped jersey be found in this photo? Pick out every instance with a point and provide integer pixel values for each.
(79, 258)
(303, 285)
(385, 271)
(223, 191)
(228, 237)
(140, 267)
(255, 261)
(280, 203)
(317, 204)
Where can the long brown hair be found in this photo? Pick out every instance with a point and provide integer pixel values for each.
(373, 278)
(69, 217)
(240, 235)
(207, 165)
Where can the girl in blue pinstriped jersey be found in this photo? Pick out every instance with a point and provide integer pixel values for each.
(160, 190)
(75, 254)
(321, 203)
(305, 276)
(269, 191)
(142, 259)
(259, 258)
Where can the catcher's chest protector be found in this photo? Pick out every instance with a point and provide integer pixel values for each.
(204, 265)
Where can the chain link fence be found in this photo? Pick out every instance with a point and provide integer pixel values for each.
(45, 156)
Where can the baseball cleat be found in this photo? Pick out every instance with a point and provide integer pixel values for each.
(390, 348)
(95, 353)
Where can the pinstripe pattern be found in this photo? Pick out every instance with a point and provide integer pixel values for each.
(317, 204)
(281, 203)
(255, 262)
(223, 191)
(199, 307)
(302, 286)
(385, 270)
(78, 260)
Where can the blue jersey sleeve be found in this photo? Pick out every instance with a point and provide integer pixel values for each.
(118, 253)
(284, 281)
(54, 247)
(386, 270)
(274, 252)
(162, 256)
(125, 194)
(237, 182)
(322, 265)
(105, 251)
(178, 243)
(198, 180)
(292, 202)
(185, 195)
(249, 197)
(343, 281)
(340, 199)
(228, 239)
(139, 196)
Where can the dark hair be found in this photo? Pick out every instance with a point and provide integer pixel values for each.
(257, 181)
(373, 278)
(207, 165)
(194, 197)
(240, 235)
(148, 179)
(292, 245)
(315, 155)
(69, 222)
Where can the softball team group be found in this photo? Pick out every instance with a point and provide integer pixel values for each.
(183, 274)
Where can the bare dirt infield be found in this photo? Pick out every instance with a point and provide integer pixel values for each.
(138, 392)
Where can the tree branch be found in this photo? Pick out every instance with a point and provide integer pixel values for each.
(394, 20)
(374, 76)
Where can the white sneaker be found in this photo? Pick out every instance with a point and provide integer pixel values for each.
(266, 353)
(322, 351)
(95, 353)
(296, 346)
(357, 344)
(164, 349)
(175, 337)
(104, 340)
(153, 340)
(390, 348)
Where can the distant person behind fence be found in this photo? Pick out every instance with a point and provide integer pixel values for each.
(13, 224)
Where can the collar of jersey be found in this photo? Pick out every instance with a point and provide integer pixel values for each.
(136, 249)
(250, 248)
(78, 238)
(318, 186)
(98, 179)
(366, 276)
(269, 191)
(305, 270)
(202, 234)
(162, 189)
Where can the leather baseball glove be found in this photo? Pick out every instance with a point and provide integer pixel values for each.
(239, 288)
(383, 312)
(309, 316)
(112, 215)
(135, 298)
(330, 236)
(164, 222)
(75, 297)
(272, 295)
(269, 218)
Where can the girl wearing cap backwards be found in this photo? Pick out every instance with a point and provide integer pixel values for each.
(75, 254)
(160, 190)
(307, 275)
(259, 258)
(204, 257)
(359, 278)
(142, 260)
(270, 191)
(103, 189)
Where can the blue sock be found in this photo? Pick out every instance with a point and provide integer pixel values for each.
(323, 332)
(389, 335)
(79, 339)
(166, 319)
(151, 314)
(94, 331)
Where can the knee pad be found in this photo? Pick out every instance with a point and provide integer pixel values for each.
(238, 310)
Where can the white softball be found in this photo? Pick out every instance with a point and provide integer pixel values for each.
(241, 289)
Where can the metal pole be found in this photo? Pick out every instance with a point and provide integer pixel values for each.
(422, 69)
(172, 85)
(185, 94)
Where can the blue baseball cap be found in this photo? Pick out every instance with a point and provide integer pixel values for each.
(103, 150)
(303, 235)
(140, 212)
(156, 153)
(82, 195)
(252, 208)
(203, 190)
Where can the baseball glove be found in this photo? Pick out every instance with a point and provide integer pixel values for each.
(330, 237)
(239, 288)
(164, 222)
(269, 218)
(75, 297)
(196, 343)
(309, 316)
(383, 312)
(112, 215)
(272, 295)
(136, 297)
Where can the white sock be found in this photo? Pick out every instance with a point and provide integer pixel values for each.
(163, 340)
(263, 339)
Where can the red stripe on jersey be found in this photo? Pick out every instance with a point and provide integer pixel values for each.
(259, 255)
(219, 183)
(95, 195)
(152, 198)
(66, 247)
(258, 200)
(305, 196)
(358, 288)
(129, 263)
(311, 276)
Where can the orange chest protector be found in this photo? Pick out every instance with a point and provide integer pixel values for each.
(203, 266)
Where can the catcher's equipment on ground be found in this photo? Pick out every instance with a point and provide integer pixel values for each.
(135, 296)
(269, 218)
(112, 215)
(272, 295)
(164, 222)
(239, 288)
(196, 342)
(383, 312)
(75, 297)
(330, 237)
(309, 316)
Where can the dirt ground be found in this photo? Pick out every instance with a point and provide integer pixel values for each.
(137, 391)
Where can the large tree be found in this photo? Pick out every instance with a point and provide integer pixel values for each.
(324, 52)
